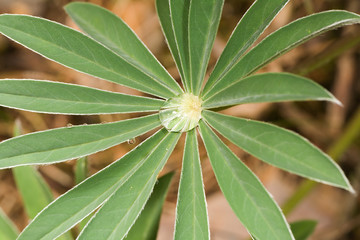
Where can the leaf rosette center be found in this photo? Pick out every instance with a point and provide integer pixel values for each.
(181, 113)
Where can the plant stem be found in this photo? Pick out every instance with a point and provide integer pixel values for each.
(335, 151)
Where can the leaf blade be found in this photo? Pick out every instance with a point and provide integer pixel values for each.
(191, 213)
(248, 29)
(113, 221)
(282, 41)
(60, 98)
(75, 50)
(115, 34)
(279, 147)
(204, 18)
(147, 225)
(269, 87)
(248, 198)
(71, 142)
(8, 230)
(89, 194)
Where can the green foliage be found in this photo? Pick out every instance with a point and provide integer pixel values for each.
(111, 51)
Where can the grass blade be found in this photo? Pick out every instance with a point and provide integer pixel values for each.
(282, 41)
(61, 98)
(147, 225)
(119, 213)
(204, 18)
(191, 213)
(71, 142)
(248, 198)
(279, 147)
(249, 28)
(8, 230)
(115, 34)
(269, 87)
(75, 50)
(83, 199)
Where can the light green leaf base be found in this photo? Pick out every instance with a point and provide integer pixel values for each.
(181, 113)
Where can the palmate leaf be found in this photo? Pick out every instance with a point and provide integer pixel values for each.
(248, 198)
(71, 142)
(75, 50)
(119, 213)
(56, 97)
(249, 28)
(268, 87)
(279, 147)
(147, 225)
(8, 230)
(191, 213)
(113, 33)
(280, 42)
(80, 201)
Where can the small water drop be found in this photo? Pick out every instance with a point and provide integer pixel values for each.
(131, 141)
(69, 125)
(85, 124)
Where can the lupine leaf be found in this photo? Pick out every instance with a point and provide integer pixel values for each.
(75, 50)
(71, 142)
(248, 198)
(113, 33)
(203, 23)
(174, 17)
(81, 200)
(191, 213)
(249, 28)
(147, 225)
(56, 97)
(268, 87)
(279, 147)
(119, 213)
(8, 230)
(282, 41)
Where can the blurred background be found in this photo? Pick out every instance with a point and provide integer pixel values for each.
(332, 60)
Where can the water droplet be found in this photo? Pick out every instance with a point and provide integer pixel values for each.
(131, 141)
(85, 124)
(69, 125)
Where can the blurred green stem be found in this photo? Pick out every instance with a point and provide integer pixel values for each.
(352, 131)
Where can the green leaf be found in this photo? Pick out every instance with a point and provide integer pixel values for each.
(147, 225)
(174, 18)
(113, 33)
(282, 41)
(191, 213)
(249, 28)
(71, 142)
(268, 87)
(248, 198)
(75, 50)
(35, 193)
(81, 170)
(204, 18)
(279, 147)
(56, 97)
(119, 213)
(303, 229)
(80, 201)
(8, 230)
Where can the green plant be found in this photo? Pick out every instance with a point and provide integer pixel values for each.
(114, 53)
